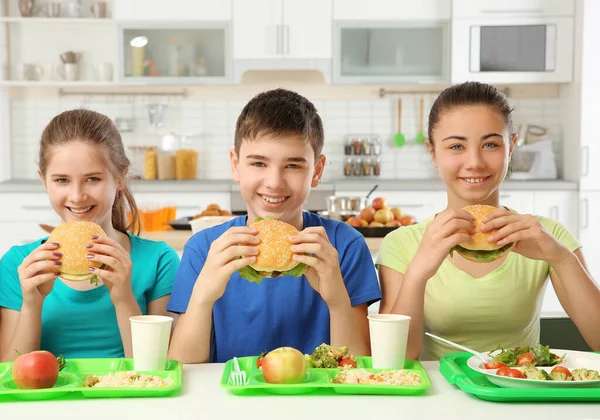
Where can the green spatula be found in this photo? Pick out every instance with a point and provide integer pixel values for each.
(399, 138)
(420, 137)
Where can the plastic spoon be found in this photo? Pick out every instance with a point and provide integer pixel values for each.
(452, 343)
(420, 137)
(399, 139)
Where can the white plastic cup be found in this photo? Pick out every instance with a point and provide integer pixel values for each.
(150, 336)
(389, 336)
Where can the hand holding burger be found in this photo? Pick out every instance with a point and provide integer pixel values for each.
(524, 233)
(480, 248)
(312, 248)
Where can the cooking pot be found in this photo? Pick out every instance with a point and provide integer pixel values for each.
(336, 204)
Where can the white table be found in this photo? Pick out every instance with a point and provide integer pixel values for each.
(203, 398)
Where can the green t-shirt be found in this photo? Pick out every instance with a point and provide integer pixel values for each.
(502, 307)
(84, 323)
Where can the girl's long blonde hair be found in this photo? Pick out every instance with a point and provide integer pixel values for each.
(97, 129)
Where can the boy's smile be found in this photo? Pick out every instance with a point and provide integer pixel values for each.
(275, 176)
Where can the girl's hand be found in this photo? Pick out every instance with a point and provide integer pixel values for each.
(37, 273)
(531, 238)
(323, 272)
(116, 272)
(448, 229)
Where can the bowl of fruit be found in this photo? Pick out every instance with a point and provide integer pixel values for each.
(377, 219)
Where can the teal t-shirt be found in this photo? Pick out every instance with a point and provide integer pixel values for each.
(83, 324)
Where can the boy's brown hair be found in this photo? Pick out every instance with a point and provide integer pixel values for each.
(282, 113)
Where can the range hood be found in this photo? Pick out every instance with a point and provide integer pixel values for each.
(305, 70)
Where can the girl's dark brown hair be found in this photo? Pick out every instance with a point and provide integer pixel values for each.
(469, 94)
(97, 129)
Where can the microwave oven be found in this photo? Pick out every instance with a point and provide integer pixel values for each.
(515, 49)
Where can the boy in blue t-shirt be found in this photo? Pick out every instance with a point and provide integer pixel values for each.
(276, 160)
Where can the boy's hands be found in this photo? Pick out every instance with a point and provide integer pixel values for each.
(323, 272)
(223, 260)
(38, 271)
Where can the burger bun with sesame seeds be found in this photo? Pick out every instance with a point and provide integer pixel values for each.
(275, 256)
(479, 249)
(72, 238)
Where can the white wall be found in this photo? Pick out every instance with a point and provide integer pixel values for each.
(213, 121)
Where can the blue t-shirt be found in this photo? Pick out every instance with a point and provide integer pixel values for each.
(84, 323)
(286, 311)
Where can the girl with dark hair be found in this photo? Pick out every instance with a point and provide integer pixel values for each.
(481, 304)
(82, 165)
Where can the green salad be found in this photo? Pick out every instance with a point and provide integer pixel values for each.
(538, 355)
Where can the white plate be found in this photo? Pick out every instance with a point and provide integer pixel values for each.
(573, 360)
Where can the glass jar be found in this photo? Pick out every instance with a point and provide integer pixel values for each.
(376, 146)
(357, 167)
(377, 166)
(357, 146)
(366, 167)
(366, 146)
(348, 146)
(348, 167)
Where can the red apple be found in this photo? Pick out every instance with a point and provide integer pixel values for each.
(407, 220)
(354, 221)
(367, 214)
(384, 216)
(284, 365)
(379, 203)
(35, 370)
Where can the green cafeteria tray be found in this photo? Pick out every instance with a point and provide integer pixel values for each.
(456, 371)
(320, 380)
(69, 384)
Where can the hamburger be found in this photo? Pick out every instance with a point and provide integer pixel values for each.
(480, 249)
(72, 238)
(275, 256)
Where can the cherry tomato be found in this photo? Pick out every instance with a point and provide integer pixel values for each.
(526, 359)
(515, 373)
(562, 369)
(503, 371)
(347, 362)
(494, 365)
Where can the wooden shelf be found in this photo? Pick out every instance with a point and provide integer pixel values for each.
(47, 20)
(55, 83)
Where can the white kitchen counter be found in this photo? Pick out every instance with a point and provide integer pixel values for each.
(211, 185)
(203, 398)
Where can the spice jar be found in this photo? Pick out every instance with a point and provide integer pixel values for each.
(348, 167)
(366, 167)
(377, 146)
(357, 146)
(348, 146)
(377, 166)
(357, 167)
(366, 146)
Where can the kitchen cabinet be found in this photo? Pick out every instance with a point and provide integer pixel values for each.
(289, 29)
(520, 201)
(391, 52)
(558, 205)
(391, 10)
(512, 8)
(174, 52)
(149, 10)
(589, 230)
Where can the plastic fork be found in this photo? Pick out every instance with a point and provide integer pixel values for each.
(483, 358)
(237, 377)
